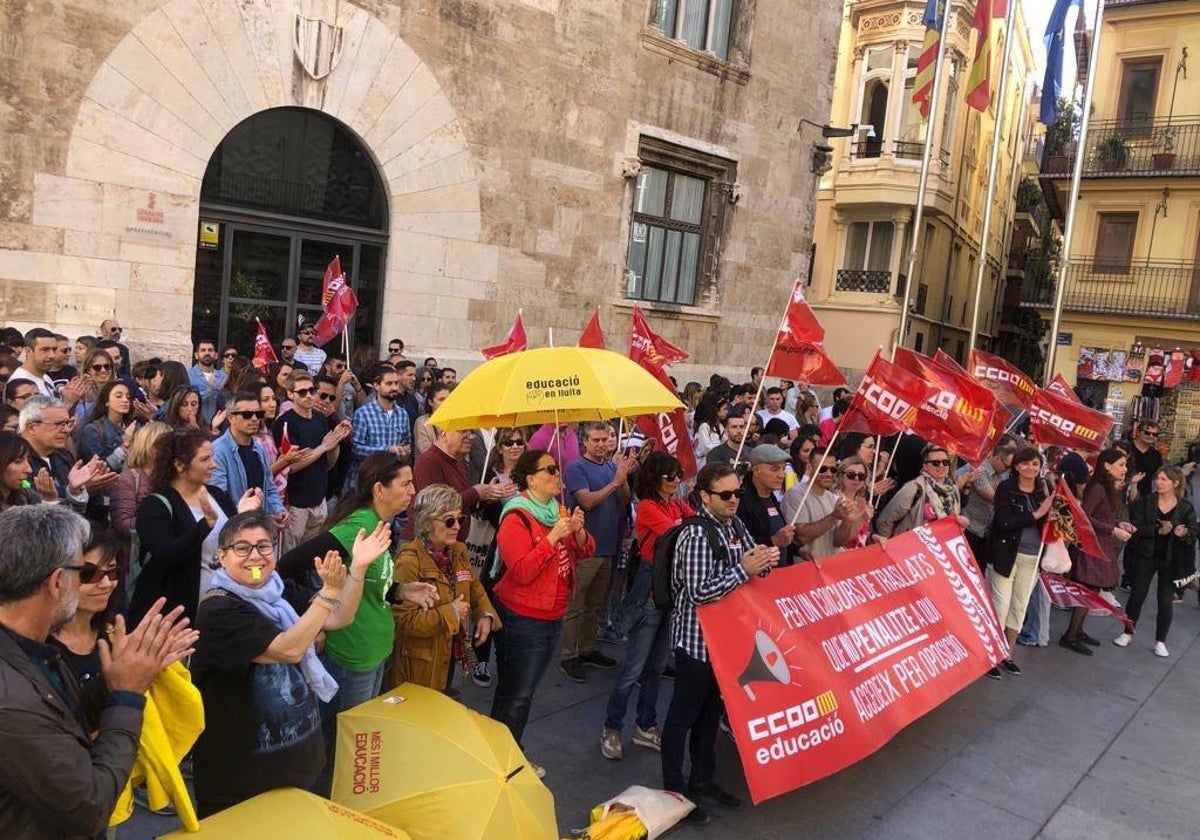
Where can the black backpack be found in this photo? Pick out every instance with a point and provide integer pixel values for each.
(664, 557)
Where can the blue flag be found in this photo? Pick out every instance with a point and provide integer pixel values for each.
(1055, 34)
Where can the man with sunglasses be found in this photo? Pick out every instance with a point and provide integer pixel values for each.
(69, 749)
(307, 352)
(287, 351)
(1144, 458)
(308, 477)
(240, 461)
(704, 572)
(825, 522)
(112, 330)
(395, 351)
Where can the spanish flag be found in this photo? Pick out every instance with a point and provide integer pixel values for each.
(927, 62)
(979, 80)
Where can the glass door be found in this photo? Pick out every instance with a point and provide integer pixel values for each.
(257, 284)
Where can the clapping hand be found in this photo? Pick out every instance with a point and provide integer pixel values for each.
(131, 661)
(44, 485)
(575, 521)
(368, 547)
(252, 499)
(332, 572)
(423, 594)
(760, 559)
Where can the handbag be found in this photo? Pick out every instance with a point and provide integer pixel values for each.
(1055, 558)
(480, 538)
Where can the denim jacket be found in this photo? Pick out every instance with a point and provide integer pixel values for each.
(230, 473)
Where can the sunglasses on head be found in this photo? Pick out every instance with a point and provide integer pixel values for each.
(454, 521)
(512, 442)
(938, 462)
(248, 414)
(723, 495)
(549, 469)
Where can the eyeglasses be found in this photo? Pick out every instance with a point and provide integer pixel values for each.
(393, 349)
(326, 397)
(100, 367)
(454, 521)
(512, 442)
(1150, 434)
(855, 476)
(549, 469)
(824, 469)
(287, 347)
(242, 549)
(674, 476)
(229, 355)
(61, 424)
(303, 392)
(91, 573)
(724, 495)
(247, 415)
(939, 462)
(116, 329)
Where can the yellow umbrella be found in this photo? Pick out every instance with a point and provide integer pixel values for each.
(291, 812)
(418, 760)
(552, 385)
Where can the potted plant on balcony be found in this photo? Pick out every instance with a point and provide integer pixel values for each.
(1060, 137)
(1165, 159)
(1111, 153)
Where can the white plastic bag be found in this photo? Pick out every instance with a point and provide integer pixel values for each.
(659, 810)
(1055, 558)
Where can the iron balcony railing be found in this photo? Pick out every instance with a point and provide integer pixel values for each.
(1145, 147)
(1156, 289)
(858, 280)
(1035, 209)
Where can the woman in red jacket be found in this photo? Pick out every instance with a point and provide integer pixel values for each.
(538, 545)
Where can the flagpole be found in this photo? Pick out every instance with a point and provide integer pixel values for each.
(737, 458)
(1073, 206)
(923, 182)
(874, 470)
(1001, 112)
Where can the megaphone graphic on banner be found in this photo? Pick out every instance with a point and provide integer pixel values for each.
(766, 664)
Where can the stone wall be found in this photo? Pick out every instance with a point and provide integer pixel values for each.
(501, 128)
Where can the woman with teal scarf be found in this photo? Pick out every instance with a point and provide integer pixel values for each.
(538, 546)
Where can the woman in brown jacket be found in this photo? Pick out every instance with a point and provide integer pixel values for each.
(430, 642)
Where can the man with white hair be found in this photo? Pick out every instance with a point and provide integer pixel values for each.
(45, 424)
(63, 771)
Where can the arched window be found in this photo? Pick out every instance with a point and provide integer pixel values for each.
(873, 98)
(285, 192)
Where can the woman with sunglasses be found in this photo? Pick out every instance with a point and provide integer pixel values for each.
(658, 511)
(98, 371)
(430, 642)
(852, 486)
(228, 356)
(425, 435)
(538, 547)
(17, 486)
(79, 640)
(481, 542)
(928, 497)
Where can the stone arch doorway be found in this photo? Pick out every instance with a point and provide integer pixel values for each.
(286, 191)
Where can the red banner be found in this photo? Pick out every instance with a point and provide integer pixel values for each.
(339, 301)
(958, 416)
(1068, 522)
(1008, 383)
(886, 400)
(799, 354)
(1060, 386)
(1057, 420)
(820, 666)
(592, 335)
(264, 353)
(515, 342)
(654, 353)
(1066, 594)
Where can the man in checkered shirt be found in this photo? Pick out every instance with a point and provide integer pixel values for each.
(701, 576)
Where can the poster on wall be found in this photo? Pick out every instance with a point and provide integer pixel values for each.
(1084, 367)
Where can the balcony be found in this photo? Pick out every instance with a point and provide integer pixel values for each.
(1158, 148)
(871, 282)
(1156, 289)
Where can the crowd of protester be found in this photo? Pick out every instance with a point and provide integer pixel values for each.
(307, 529)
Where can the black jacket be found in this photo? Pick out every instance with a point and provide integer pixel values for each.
(752, 510)
(1179, 558)
(1011, 515)
(171, 541)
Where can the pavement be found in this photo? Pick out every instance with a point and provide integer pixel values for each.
(1105, 747)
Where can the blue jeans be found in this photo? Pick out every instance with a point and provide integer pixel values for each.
(1037, 618)
(525, 647)
(645, 654)
(354, 689)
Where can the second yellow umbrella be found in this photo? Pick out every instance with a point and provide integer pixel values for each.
(553, 385)
(290, 812)
(418, 760)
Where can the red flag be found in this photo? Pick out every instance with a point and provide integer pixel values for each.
(1009, 384)
(264, 353)
(1060, 386)
(959, 415)
(514, 343)
(1054, 419)
(798, 352)
(338, 300)
(654, 353)
(1066, 594)
(592, 335)
(886, 400)
(1068, 522)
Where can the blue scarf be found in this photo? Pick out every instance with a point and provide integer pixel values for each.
(268, 599)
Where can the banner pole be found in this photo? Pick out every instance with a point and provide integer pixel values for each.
(923, 182)
(1001, 112)
(1073, 197)
(737, 458)
(813, 480)
(874, 470)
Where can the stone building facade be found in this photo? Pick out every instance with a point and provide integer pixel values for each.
(472, 157)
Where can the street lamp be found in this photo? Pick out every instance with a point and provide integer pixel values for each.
(823, 152)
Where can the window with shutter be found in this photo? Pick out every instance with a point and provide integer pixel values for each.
(1114, 242)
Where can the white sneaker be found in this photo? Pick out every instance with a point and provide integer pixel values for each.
(610, 744)
(538, 770)
(1160, 649)
(1123, 640)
